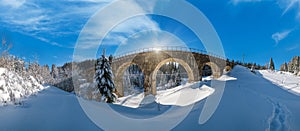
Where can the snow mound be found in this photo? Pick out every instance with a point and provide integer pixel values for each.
(184, 95)
(222, 78)
(286, 80)
(132, 101)
(226, 78)
(180, 96)
(13, 87)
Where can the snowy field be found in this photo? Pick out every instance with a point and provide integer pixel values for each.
(287, 81)
(249, 102)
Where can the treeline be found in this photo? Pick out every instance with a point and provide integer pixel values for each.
(293, 66)
(250, 65)
(60, 76)
(21, 67)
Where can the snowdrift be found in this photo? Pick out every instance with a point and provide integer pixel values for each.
(13, 87)
(179, 96)
(182, 95)
(285, 80)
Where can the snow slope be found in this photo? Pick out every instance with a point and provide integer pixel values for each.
(249, 103)
(287, 81)
(170, 96)
(50, 110)
(13, 87)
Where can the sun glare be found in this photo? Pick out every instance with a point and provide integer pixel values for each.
(157, 49)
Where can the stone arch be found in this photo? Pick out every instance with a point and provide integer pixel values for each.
(216, 71)
(227, 68)
(118, 79)
(185, 65)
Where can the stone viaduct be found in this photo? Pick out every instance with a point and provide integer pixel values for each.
(151, 59)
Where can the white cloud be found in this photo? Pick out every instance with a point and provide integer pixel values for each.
(47, 21)
(157, 38)
(285, 5)
(92, 1)
(236, 2)
(288, 5)
(113, 27)
(278, 36)
(121, 31)
(12, 3)
(48, 41)
(294, 47)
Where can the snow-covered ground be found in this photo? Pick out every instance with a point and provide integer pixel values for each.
(178, 96)
(249, 102)
(170, 96)
(13, 87)
(52, 109)
(286, 80)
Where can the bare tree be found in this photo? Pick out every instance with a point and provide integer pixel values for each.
(5, 58)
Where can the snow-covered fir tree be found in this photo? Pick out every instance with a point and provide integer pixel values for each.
(104, 79)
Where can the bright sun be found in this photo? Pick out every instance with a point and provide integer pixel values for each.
(157, 49)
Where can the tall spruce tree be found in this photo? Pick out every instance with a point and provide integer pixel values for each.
(271, 67)
(104, 79)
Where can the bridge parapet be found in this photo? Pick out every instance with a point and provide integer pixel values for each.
(166, 48)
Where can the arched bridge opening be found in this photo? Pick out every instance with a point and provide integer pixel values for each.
(185, 65)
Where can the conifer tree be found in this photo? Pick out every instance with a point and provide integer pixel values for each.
(271, 67)
(104, 79)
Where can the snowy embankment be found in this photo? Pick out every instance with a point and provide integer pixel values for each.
(287, 81)
(52, 109)
(177, 96)
(13, 87)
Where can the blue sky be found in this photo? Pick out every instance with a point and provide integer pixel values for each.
(48, 30)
